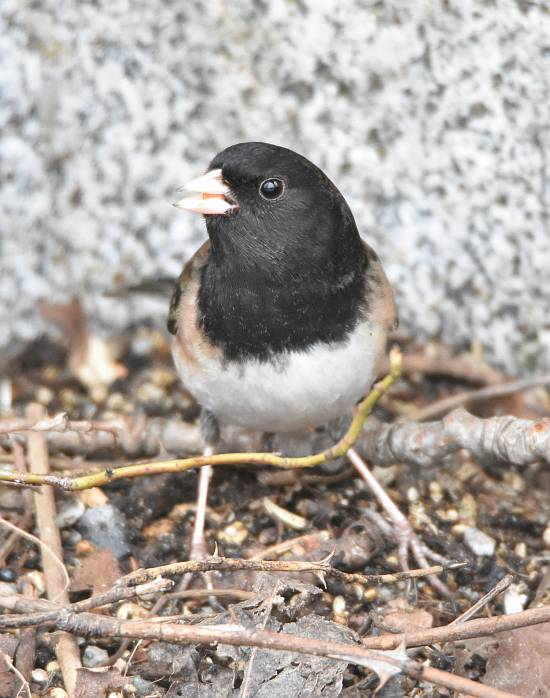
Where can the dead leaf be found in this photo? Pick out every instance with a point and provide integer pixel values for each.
(518, 661)
(91, 358)
(97, 683)
(98, 572)
(403, 618)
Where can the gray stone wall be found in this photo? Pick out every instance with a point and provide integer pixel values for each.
(432, 117)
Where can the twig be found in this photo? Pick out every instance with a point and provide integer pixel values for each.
(19, 532)
(26, 648)
(440, 407)
(481, 627)
(59, 423)
(24, 682)
(508, 439)
(93, 625)
(17, 604)
(339, 449)
(499, 587)
(222, 563)
(66, 648)
(309, 539)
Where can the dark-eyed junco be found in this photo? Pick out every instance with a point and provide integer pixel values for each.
(281, 317)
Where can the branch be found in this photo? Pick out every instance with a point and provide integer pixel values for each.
(94, 625)
(59, 423)
(40, 611)
(339, 449)
(57, 579)
(508, 439)
(320, 568)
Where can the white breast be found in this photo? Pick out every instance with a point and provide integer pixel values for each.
(306, 388)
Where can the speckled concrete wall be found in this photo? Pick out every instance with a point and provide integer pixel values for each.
(432, 117)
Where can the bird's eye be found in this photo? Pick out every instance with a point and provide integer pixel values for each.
(272, 188)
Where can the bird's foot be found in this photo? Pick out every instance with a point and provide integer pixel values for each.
(400, 528)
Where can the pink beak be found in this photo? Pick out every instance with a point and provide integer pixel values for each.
(210, 199)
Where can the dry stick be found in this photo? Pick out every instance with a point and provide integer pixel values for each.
(24, 683)
(508, 439)
(42, 611)
(60, 422)
(440, 407)
(309, 539)
(320, 568)
(339, 449)
(44, 547)
(66, 648)
(499, 587)
(93, 625)
(63, 618)
(26, 649)
(467, 630)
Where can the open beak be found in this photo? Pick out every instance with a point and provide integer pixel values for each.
(210, 195)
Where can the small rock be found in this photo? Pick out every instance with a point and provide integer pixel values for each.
(436, 491)
(143, 687)
(413, 495)
(546, 537)
(515, 598)
(521, 549)
(52, 666)
(234, 534)
(478, 542)
(94, 656)
(106, 527)
(129, 611)
(8, 574)
(69, 512)
(39, 676)
(338, 605)
(94, 497)
(57, 692)
(72, 538)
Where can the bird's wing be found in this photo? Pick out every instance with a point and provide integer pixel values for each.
(382, 308)
(191, 272)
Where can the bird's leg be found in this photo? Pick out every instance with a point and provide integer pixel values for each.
(402, 529)
(199, 548)
(210, 432)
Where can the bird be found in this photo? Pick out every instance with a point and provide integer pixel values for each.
(281, 318)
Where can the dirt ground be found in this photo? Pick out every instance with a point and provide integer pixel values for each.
(492, 515)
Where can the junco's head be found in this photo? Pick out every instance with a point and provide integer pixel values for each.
(265, 202)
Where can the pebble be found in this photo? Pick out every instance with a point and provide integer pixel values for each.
(546, 537)
(57, 692)
(105, 527)
(515, 598)
(39, 676)
(69, 511)
(478, 542)
(52, 666)
(72, 538)
(371, 594)
(338, 605)
(130, 610)
(94, 656)
(44, 395)
(521, 549)
(234, 534)
(413, 495)
(8, 574)
(143, 687)
(436, 491)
